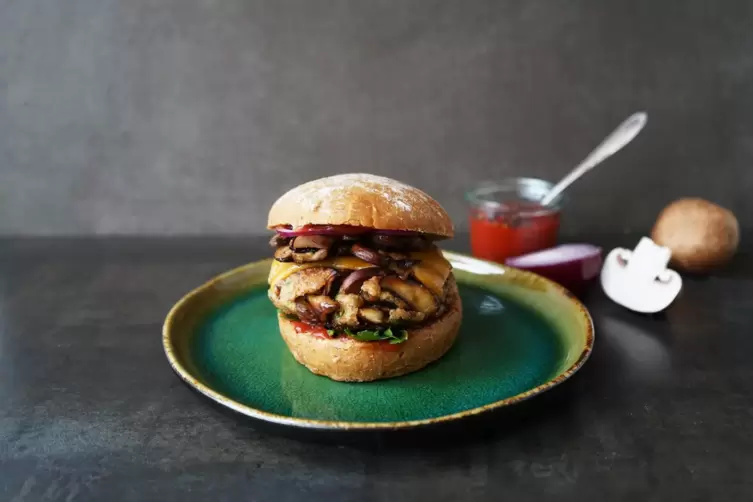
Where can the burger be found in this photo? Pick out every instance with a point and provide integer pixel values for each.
(362, 291)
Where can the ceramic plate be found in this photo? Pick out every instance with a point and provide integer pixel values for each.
(521, 335)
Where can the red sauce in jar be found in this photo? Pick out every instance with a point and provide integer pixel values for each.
(518, 228)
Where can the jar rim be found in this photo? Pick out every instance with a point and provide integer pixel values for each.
(522, 189)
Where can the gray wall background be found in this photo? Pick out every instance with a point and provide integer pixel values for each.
(192, 116)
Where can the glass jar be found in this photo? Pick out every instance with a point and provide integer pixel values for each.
(507, 220)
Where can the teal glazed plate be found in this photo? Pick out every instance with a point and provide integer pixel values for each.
(521, 335)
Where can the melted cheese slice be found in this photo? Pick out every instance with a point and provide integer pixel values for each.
(431, 271)
(280, 271)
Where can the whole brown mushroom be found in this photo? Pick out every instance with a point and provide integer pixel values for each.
(701, 234)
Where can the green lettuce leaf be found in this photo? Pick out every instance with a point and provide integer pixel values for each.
(400, 337)
(378, 335)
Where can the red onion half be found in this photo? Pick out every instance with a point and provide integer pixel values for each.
(573, 266)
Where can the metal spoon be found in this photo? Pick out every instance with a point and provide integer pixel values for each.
(613, 143)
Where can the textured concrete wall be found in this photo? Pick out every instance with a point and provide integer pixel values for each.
(192, 116)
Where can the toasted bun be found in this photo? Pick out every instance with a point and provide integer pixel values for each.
(361, 200)
(349, 360)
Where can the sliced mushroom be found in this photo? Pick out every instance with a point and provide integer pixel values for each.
(416, 295)
(372, 315)
(400, 316)
(308, 248)
(399, 242)
(342, 248)
(368, 255)
(317, 255)
(371, 290)
(312, 242)
(332, 284)
(352, 283)
(284, 254)
(408, 263)
(396, 256)
(385, 241)
(391, 300)
(304, 311)
(323, 305)
(402, 267)
(348, 313)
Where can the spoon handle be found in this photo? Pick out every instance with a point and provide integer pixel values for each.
(620, 137)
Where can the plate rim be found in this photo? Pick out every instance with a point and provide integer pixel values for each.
(175, 311)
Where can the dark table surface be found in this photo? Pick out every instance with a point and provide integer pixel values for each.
(90, 410)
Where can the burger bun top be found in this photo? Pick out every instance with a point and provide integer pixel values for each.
(362, 200)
